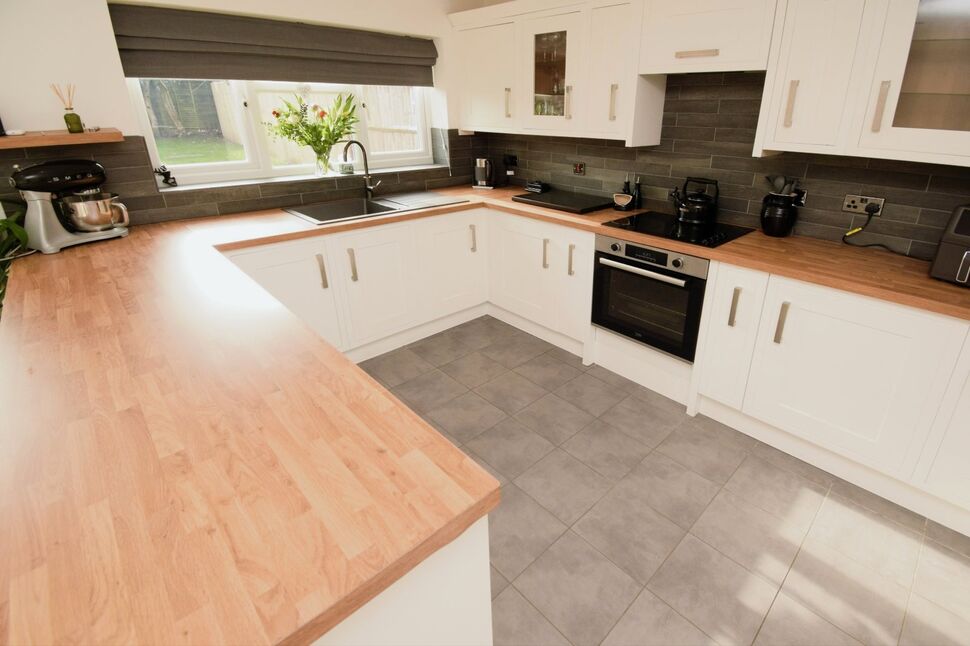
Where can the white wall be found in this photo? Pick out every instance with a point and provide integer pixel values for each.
(60, 41)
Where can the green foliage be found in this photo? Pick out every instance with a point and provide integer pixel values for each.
(13, 240)
(311, 125)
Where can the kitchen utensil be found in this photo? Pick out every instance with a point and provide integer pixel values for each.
(93, 211)
(622, 201)
(779, 212)
(697, 206)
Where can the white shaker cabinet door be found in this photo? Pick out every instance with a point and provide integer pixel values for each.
(489, 89)
(521, 279)
(858, 376)
(378, 280)
(610, 69)
(452, 256)
(572, 277)
(732, 328)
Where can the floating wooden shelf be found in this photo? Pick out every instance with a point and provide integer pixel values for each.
(37, 138)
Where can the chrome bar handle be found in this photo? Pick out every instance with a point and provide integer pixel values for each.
(545, 253)
(733, 315)
(780, 326)
(697, 53)
(474, 238)
(508, 103)
(568, 101)
(353, 265)
(646, 273)
(569, 270)
(323, 272)
(880, 110)
(790, 108)
(613, 88)
(963, 271)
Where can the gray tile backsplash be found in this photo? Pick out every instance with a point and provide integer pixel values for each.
(130, 175)
(708, 130)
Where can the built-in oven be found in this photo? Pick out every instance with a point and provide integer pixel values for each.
(651, 295)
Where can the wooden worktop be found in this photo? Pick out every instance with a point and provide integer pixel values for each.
(183, 461)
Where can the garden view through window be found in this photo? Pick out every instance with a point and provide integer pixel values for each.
(212, 130)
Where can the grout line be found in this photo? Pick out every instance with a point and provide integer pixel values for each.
(909, 597)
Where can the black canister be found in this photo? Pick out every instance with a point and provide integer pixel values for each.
(780, 211)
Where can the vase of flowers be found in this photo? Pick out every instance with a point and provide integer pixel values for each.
(315, 127)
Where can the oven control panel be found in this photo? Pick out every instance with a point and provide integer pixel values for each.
(677, 262)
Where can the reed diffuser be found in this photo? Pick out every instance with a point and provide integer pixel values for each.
(66, 96)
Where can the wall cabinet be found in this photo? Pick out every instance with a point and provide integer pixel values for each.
(860, 377)
(705, 35)
(551, 47)
(610, 90)
(733, 318)
(452, 261)
(490, 89)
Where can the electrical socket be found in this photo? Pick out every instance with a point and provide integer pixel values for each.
(579, 168)
(858, 204)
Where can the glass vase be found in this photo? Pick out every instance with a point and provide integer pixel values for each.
(321, 166)
(73, 122)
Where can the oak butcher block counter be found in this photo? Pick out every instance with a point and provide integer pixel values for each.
(183, 461)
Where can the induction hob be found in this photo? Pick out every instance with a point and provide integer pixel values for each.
(566, 201)
(664, 225)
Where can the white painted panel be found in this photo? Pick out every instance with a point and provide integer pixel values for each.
(489, 67)
(452, 256)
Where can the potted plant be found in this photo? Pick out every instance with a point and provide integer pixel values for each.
(13, 241)
(314, 127)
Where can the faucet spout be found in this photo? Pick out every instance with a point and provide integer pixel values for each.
(368, 188)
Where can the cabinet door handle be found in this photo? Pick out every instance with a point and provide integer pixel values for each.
(880, 110)
(780, 326)
(353, 265)
(568, 107)
(613, 88)
(474, 238)
(323, 272)
(733, 315)
(790, 107)
(545, 253)
(569, 270)
(508, 103)
(697, 53)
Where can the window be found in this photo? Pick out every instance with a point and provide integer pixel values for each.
(213, 130)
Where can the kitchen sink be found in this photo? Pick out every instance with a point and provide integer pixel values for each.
(359, 207)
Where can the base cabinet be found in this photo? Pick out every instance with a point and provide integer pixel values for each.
(860, 377)
(452, 261)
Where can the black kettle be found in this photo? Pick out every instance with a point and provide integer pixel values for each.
(697, 206)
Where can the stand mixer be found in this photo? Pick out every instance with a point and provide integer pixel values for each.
(65, 204)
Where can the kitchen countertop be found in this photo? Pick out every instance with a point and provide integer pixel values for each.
(183, 460)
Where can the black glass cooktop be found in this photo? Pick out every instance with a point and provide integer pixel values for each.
(667, 226)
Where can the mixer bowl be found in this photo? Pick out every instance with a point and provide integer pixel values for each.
(93, 211)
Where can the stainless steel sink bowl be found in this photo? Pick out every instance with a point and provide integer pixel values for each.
(359, 207)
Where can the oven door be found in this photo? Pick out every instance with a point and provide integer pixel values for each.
(653, 305)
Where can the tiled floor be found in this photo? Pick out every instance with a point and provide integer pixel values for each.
(625, 522)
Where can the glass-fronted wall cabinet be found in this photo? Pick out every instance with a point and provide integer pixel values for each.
(919, 98)
(551, 50)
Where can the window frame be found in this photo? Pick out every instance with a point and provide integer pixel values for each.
(258, 163)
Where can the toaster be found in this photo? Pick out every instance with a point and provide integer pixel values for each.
(952, 262)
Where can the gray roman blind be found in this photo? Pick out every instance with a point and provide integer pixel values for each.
(172, 43)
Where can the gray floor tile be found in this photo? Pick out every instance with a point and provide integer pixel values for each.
(643, 421)
(761, 542)
(578, 589)
(867, 606)
(510, 392)
(568, 358)
(396, 367)
(948, 538)
(547, 371)
(606, 450)
(793, 464)
(474, 369)
(429, 391)
(674, 490)
(554, 418)
(514, 350)
(498, 581)
(515, 622)
(476, 334)
(510, 447)
(789, 623)
(713, 592)
(613, 379)
(651, 622)
(519, 530)
(868, 538)
(482, 462)
(943, 577)
(777, 491)
(563, 485)
(589, 393)
(701, 449)
(879, 505)
(440, 348)
(466, 416)
(665, 412)
(629, 533)
(927, 624)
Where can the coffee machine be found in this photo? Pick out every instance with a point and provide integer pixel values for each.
(65, 204)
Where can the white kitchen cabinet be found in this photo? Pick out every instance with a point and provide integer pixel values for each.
(705, 35)
(610, 78)
(551, 57)
(808, 92)
(520, 277)
(918, 100)
(299, 275)
(453, 261)
(858, 376)
(946, 471)
(489, 88)
(571, 264)
(378, 288)
(731, 321)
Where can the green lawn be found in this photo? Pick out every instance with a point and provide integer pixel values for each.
(198, 150)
